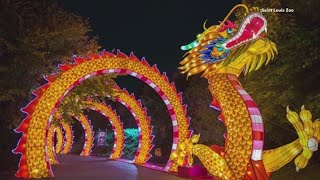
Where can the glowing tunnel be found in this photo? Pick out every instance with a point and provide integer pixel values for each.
(68, 138)
(33, 143)
(64, 143)
(86, 124)
(143, 123)
(117, 126)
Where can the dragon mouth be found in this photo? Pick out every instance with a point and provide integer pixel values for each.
(250, 29)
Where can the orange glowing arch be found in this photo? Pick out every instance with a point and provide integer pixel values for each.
(117, 126)
(88, 133)
(33, 143)
(86, 124)
(68, 138)
(143, 123)
(88, 143)
(54, 149)
(59, 136)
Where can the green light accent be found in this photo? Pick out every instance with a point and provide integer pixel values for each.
(190, 46)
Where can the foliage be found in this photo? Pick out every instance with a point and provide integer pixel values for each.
(204, 119)
(76, 100)
(131, 143)
(35, 36)
(160, 120)
(125, 115)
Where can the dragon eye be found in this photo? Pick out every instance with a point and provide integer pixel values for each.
(229, 30)
(219, 49)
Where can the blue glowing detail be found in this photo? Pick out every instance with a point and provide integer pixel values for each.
(217, 43)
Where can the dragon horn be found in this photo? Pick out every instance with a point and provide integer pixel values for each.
(231, 11)
(190, 45)
(204, 24)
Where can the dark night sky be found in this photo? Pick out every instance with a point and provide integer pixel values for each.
(153, 29)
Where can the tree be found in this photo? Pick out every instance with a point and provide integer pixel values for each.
(160, 121)
(131, 143)
(35, 36)
(204, 119)
(95, 88)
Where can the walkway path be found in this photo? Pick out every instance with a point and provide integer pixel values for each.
(96, 168)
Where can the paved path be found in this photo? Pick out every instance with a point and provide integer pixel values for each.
(96, 168)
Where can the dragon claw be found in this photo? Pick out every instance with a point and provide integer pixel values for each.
(288, 109)
(307, 131)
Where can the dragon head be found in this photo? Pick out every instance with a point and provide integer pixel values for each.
(231, 47)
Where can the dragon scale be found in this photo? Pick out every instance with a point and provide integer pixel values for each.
(244, 133)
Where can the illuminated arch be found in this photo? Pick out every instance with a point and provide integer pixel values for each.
(68, 138)
(51, 148)
(143, 123)
(59, 136)
(54, 149)
(88, 134)
(33, 143)
(117, 126)
(88, 141)
(86, 124)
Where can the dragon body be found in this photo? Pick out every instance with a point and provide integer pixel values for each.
(223, 52)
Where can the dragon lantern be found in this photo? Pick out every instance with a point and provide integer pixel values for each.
(223, 52)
